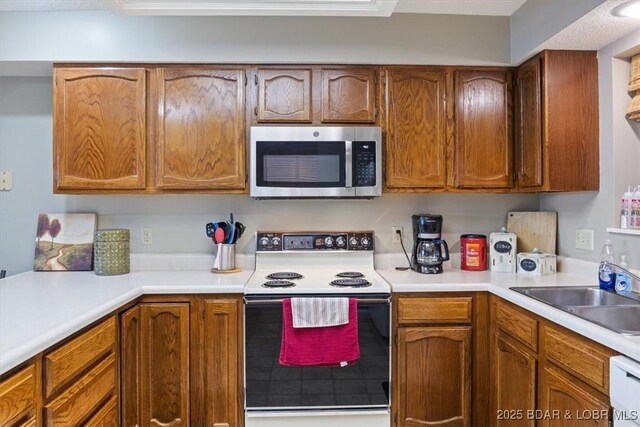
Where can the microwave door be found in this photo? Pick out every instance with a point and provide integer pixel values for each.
(301, 169)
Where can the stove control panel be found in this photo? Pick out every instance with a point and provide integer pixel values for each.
(300, 241)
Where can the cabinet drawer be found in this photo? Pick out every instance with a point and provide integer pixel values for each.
(83, 397)
(63, 364)
(107, 416)
(17, 395)
(586, 360)
(434, 310)
(518, 325)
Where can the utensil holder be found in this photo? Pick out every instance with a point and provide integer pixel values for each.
(227, 256)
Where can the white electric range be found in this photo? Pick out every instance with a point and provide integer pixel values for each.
(316, 264)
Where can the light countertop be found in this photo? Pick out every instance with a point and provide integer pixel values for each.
(499, 284)
(37, 310)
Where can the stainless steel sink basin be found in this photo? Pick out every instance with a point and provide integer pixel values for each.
(624, 319)
(612, 311)
(576, 296)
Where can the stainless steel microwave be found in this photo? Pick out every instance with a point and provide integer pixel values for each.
(295, 162)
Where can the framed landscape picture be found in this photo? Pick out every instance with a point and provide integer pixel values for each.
(64, 242)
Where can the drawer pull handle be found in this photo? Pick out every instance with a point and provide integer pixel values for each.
(633, 377)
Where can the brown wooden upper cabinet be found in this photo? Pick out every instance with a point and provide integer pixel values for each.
(200, 128)
(99, 128)
(557, 122)
(284, 95)
(348, 95)
(483, 143)
(415, 145)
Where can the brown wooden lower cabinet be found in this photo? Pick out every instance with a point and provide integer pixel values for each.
(563, 384)
(433, 360)
(164, 366)
(434, 376)
(565, 403)
(18, 397)
(181, 362)
(514, 383)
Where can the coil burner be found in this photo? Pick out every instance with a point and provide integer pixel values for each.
(350, 274)
(350, 283)
(284, 275)
(278, 284)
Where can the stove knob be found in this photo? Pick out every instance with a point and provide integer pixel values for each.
(353, 241)
(328, 241)
(263, 241)
(340, 241)
(365, 241)
(275, 241)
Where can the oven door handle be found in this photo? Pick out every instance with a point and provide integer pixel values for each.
(279, 300)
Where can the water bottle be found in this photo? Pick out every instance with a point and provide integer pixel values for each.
(606, 273)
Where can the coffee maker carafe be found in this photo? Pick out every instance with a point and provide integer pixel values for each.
(429, 250)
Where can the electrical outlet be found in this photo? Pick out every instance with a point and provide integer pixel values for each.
(584, 239)
(147, 236)
(6, 181)
(395, 238)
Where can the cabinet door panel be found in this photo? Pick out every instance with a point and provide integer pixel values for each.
(222, 393)
(165, 364)
(483, 129)
(416, 137)
(348, 95)
(284, 95)
(201, 128)
(568, 403)
(434, 376)
(17, 396)
(99, 128)
(529, 125)
(130, 369)
(515, 384)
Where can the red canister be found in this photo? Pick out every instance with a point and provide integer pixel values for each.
(473, 252)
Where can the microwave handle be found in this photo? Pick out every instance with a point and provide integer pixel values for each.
(348, 163)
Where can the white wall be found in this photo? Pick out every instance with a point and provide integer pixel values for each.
(536, 21)
(31, 41)
(619, 164)
(178, 221)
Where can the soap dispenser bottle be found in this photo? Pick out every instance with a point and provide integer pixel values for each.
(623, 280)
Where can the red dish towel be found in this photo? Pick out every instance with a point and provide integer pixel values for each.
(327, 346)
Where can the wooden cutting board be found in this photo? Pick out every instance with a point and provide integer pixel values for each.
(534, 230)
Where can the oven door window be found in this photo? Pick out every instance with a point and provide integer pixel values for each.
(269, 385)
(300, 164)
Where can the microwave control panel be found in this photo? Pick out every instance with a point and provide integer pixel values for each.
(364, 167)
(349, 241)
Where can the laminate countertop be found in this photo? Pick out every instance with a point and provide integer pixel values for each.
(39, 309)
(499, 284)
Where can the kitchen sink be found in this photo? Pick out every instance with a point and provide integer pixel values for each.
(576, 296)
(622, 319)
(607, 309)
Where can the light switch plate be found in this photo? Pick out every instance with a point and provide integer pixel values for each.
(6, 181)
(584, 239)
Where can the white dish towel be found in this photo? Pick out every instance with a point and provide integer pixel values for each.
(319, 312)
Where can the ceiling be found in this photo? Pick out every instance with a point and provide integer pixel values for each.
(273, 7)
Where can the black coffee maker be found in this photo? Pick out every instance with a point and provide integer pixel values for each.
(428, 247)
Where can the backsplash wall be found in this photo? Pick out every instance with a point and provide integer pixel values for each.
(178, 221)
